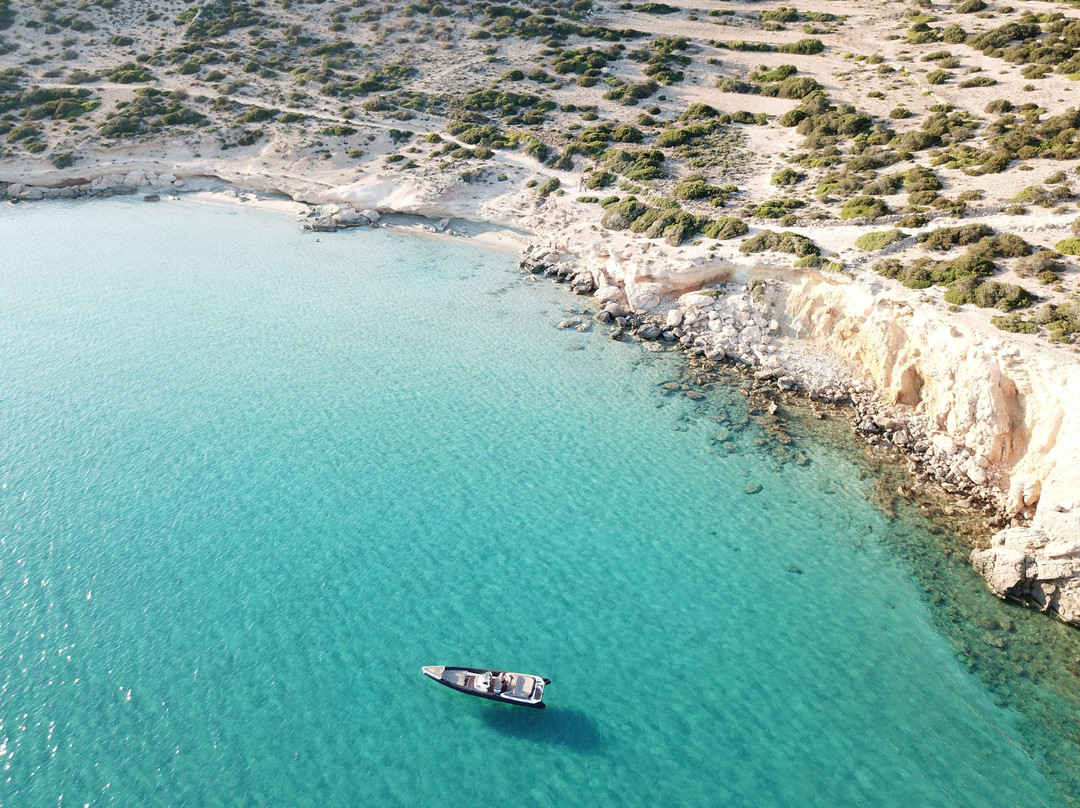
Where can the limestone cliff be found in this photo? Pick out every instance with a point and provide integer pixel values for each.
(1004, 408)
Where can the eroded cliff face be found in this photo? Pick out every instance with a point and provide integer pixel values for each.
(1007, 406)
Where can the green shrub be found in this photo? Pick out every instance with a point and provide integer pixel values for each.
(724, 228)
(621, 214)
(978, 81)
(787, 176)
(1068, 246)
(626, 133)
(937, 76)
(863, 207)
(657, 8)
(805, 47)
(1014, 324)
(1006, 245)
(548, 187)
(699, 111)
(130, 73)
(782, 14)
(1038, 263)
(921, 178)
(697, 188)
(258, 114)
(970, 6)
(599, 179)
(879, 240)
(785, 241)
(945, 238)
(776, 208)
(914, 220)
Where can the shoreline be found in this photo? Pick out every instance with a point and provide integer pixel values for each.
(737, 313)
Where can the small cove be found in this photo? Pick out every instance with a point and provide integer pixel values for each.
(252, 480)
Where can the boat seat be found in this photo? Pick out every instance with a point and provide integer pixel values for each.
(523, 688)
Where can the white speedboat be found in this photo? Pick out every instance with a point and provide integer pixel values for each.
(513, 688)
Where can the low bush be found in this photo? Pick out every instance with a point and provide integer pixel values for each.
(878, 240)
(863, 207)
(978, 81)
(546, 188)
(1039, 263)
(1068, 246)
(786, 241)
(724, 228)
(776, 208)
(945, 238)
(805, 47)
(787, 176)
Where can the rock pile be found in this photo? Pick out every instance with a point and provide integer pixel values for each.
(559, 266)
(337, 215)
(102, 186)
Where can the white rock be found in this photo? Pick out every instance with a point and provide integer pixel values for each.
(674, 318)
(606, 294)
(643, 296)
(696, 299)
(944, 445)
(750, 335)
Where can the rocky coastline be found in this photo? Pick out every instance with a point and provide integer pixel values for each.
(748, 325)
(753, 325)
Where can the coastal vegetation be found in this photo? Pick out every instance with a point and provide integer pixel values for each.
(520, 92)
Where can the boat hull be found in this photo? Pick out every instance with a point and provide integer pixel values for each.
(464, 680)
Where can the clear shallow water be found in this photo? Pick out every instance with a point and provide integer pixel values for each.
(252, 481)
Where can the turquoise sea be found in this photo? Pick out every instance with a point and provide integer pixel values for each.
(251, 479)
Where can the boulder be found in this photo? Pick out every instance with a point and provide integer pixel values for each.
(609, 294)
(649, 332)
(696, 299)
(1023, 564)
(644, 296)
(325, 224)
(350, 218)
(371, 215)
(674, 318)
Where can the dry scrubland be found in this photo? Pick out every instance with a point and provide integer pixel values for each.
(908, 169)
(674, 121)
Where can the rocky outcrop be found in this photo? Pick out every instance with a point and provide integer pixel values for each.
(1024, 564)
(337, 215)
(1001, 414)
(103, 185)
(990, 417)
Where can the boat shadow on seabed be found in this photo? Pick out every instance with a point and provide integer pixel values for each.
(562, 726)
